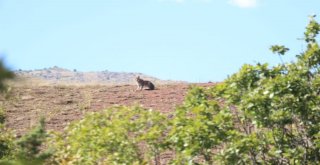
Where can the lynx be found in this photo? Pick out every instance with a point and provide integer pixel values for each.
(141, 83)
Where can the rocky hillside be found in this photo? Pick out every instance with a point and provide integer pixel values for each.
(57, 75)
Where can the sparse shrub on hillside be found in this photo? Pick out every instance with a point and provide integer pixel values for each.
(118, 135)
(29, 145)
(25, 150)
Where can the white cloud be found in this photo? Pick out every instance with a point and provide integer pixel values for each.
(244, 3)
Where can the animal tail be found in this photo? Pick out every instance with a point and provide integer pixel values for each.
(151, 86)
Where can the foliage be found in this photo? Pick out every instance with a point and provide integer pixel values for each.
(198, 128)
(277, 109)
(2, 116)
(119, 135)
(281, 50)
(30, 144)
(27, 149)
(312, 30)
(6, 137)
(5, 74)
(6, 143)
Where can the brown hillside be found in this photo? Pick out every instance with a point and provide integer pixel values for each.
(63, 104)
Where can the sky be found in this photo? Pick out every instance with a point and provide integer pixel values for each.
(188, 40)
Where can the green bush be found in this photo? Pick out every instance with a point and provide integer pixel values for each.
(5, 74)
(29, 145)
(7, 144)
(276, 109)
(2, 116)
(198, 128)
(118, 135)
(25, 150)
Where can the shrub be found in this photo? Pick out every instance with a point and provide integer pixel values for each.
(118, 135)
(7, 144)
(2, 116)
(277, 109)
(199, 127)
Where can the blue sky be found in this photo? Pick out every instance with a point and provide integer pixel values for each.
(191, 40)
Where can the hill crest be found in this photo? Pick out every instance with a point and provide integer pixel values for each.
(58, 75)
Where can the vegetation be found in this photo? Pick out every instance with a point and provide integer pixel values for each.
(199, 127)
(276, 109)
(26, 149)
(5, 74)
(6, 143)
(6, 137)
(119, 135)
(259, 115)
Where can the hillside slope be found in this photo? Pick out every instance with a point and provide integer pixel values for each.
(63, 104)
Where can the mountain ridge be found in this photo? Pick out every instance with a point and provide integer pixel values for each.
(58, 75)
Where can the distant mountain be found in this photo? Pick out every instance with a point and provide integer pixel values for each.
(57, 75)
